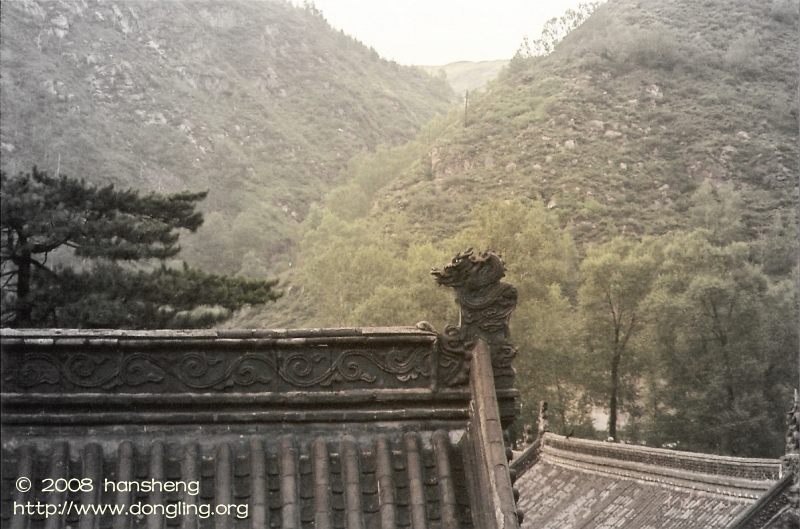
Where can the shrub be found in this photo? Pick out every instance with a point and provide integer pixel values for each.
(741, 56)
(785, 11)
(654, 48)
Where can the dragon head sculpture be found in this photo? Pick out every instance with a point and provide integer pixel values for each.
(468, 270)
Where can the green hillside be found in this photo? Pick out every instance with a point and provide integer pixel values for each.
(616, 128)
(261, 103)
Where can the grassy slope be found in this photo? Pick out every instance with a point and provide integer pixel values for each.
(261, 103)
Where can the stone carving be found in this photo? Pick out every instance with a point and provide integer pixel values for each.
(791, 461)
(528, 437)
(88, 371)
(543, 422)
(197, 370)
(298, 368)
(793, 430)
(486, 304)
(38, 369)
(454, 357)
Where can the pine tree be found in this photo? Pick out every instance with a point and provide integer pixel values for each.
(116, 231)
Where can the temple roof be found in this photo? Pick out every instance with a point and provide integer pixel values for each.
(325, 428)
(576, 483)
(323, 480)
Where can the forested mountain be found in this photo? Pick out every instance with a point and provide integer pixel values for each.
(259, 102)
(641, 114)
(641, 183)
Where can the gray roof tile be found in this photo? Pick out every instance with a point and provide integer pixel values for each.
(588, 484)
(290, 481)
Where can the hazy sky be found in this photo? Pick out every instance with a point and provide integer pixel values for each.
(441, 31)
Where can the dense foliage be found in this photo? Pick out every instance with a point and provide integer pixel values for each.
(105, 227)
(685, 339)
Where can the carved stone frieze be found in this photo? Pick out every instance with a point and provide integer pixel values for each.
(188, 371)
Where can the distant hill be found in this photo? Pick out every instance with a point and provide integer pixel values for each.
(468, 75)
(262, 103)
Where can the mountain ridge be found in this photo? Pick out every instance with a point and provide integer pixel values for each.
(616, 128)
(261, 103)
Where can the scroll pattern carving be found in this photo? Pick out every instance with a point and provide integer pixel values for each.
(37, 369)
(198, 371)
(87, 371)
(298, 369)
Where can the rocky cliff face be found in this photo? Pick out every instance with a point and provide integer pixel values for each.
(262, 103)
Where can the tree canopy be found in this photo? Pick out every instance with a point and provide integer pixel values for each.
(110, 243)
(716, 360)
(681, 339)
(616, 278)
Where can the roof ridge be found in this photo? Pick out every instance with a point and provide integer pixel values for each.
(106, 334)
(551, 438)
(719, 485)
